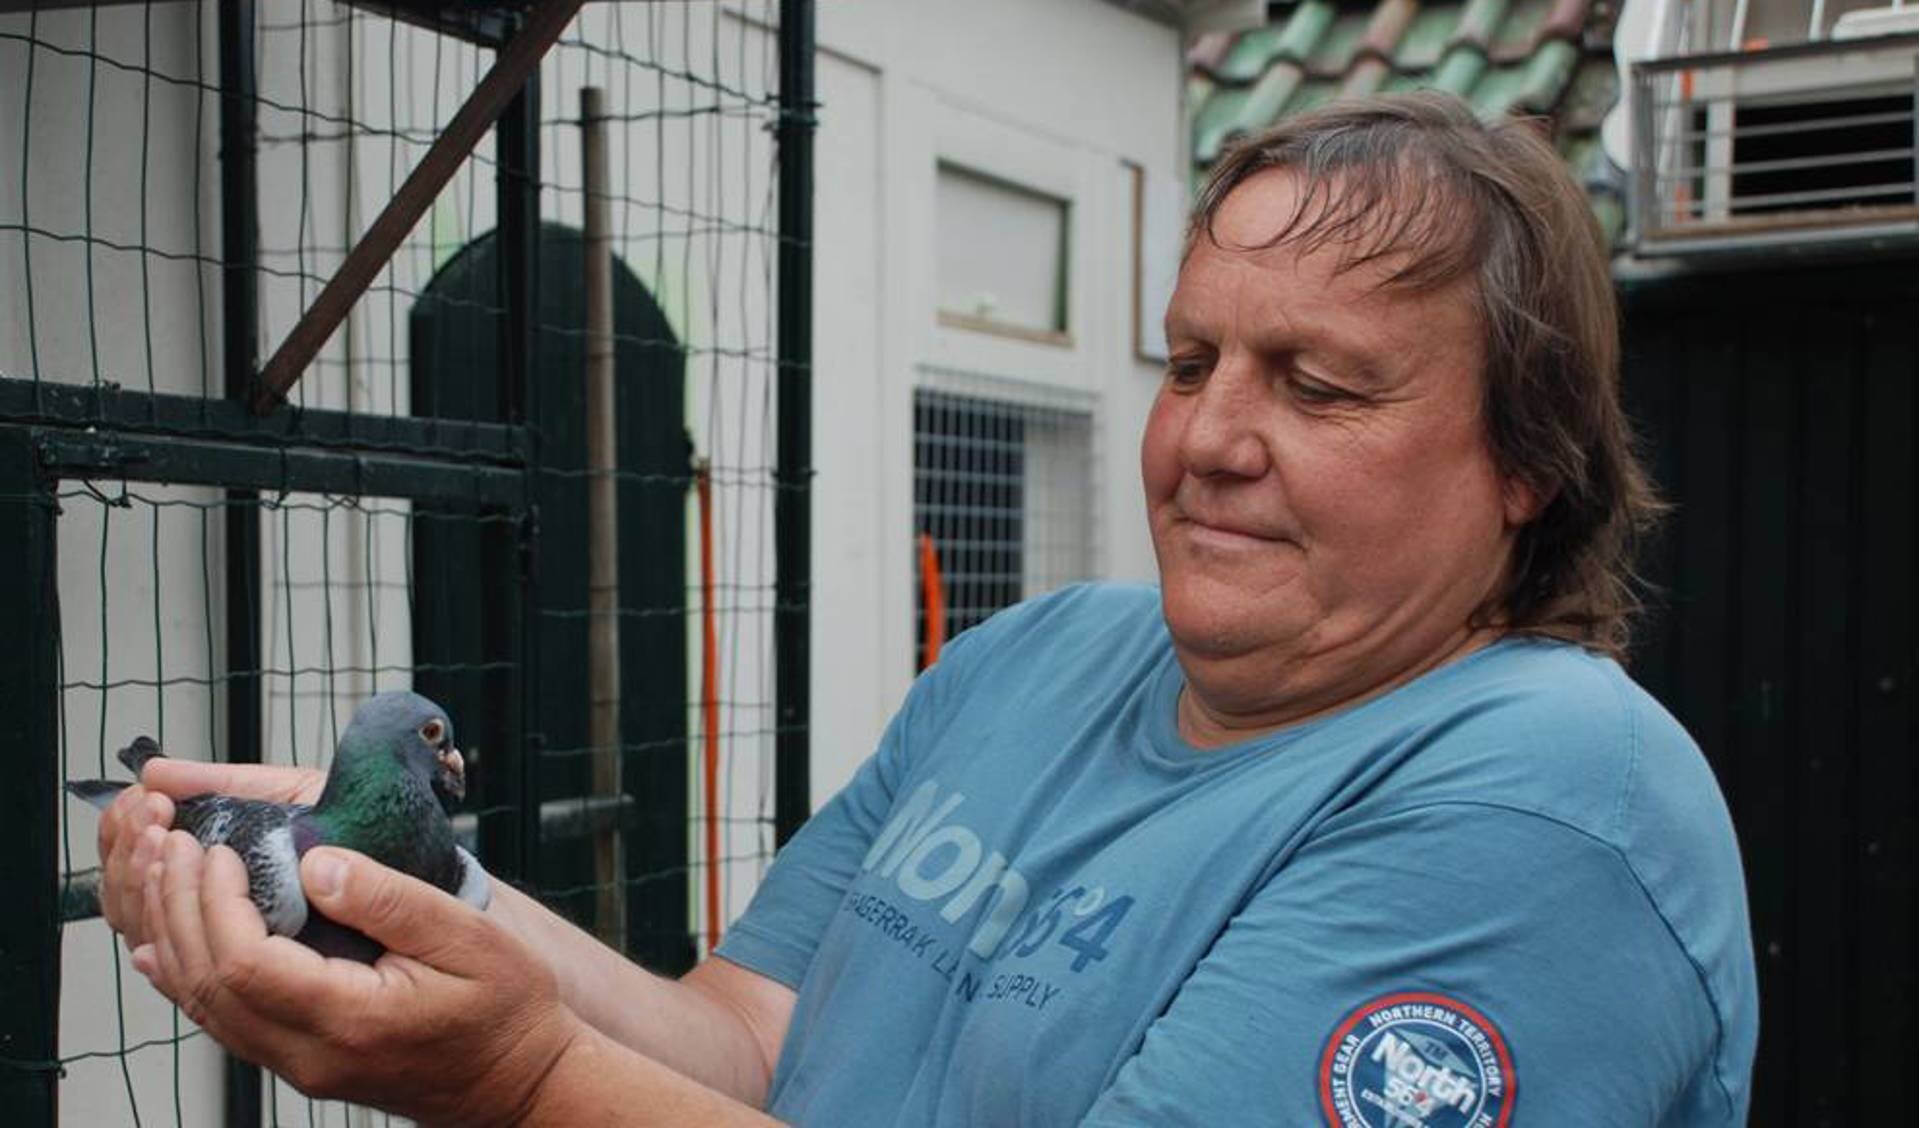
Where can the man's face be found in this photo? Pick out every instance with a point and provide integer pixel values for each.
(1323, 501)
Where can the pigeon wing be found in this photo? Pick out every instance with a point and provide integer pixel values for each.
(262, 833)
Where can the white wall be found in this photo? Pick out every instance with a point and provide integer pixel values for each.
(1057, 95)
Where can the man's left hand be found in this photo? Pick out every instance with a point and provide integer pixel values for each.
(458, 1022)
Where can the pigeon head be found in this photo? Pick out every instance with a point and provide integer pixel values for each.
(417, 731)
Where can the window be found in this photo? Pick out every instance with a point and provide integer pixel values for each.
(1003, 499)
(1002, 256)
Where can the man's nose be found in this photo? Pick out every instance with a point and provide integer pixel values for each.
(1222, 434)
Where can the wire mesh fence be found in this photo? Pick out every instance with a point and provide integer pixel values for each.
(1002, 474)
(180, 182)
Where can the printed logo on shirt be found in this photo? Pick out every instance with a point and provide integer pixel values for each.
(1413, 1060)
(931, 871)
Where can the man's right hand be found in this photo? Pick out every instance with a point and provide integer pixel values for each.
(134, 828)
(722, 1025)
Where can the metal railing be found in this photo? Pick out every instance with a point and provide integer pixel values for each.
(1813, 143)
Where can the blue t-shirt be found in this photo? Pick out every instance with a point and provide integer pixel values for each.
(1509, 887)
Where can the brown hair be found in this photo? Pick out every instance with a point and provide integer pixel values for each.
(1420, 185)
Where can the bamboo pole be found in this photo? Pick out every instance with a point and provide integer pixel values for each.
(603, 519)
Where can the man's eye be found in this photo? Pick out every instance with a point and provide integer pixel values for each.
(1312, 391)
(1186, 372)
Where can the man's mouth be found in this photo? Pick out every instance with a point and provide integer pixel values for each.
(1228, 531)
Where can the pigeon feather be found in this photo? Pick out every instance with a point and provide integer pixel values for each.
(394, 773)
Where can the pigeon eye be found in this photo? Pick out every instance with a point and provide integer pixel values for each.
(431, 732)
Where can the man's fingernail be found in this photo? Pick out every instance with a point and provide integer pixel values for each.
(328, 876)
(143, 961)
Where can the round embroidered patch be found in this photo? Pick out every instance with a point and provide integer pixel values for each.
(1414, 1060)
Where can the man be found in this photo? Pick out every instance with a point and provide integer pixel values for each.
(1352, 819)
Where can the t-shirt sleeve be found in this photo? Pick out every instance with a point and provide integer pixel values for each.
(1453, 964)
(781, 927)
(777, 934)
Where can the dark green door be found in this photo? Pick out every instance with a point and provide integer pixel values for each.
(453, 336)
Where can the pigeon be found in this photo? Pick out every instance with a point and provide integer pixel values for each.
(393, 774)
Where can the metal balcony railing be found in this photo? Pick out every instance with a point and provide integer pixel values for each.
(1807, 144)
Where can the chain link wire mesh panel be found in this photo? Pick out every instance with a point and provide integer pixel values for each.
(691, 100)
(140, 592)
(411, 518)
(1002, 473)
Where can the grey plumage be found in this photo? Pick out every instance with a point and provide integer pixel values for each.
(393, 773)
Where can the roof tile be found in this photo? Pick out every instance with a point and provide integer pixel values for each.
(1519, 32)
(1425, 40)
(1479, 22)
(1549, 58)
(1308, 26)
(1334, 53)
(1387, 26)
(1208, 51)
(1245, 60)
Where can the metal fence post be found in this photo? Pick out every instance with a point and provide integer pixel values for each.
(512, 845)
(29, 803)
(240, 337)
(793, 508)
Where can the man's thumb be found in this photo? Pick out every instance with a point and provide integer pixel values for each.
(401, 913)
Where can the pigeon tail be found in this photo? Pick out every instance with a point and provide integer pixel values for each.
(99, 792)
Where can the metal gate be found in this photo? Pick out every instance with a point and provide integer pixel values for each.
(183, 555)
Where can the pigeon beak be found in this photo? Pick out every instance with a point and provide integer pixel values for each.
(452, 775)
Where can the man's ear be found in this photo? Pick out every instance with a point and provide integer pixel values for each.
(1524, 500)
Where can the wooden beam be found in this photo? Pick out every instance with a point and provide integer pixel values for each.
(602, 519)
(515, 62)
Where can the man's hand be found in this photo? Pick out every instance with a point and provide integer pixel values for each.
(459, 1022)
(133, 828)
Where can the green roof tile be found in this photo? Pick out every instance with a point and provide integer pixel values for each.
(1305, 30)
(1580, 151)
(1335, 50)
(1594, 91)
(1314, 93)
(1547, 73)
(1460, 70)
(1490, 52)
(1479, 22)
(1215, 121)
(1425, 41)
(1249, 56)
(1270, 97)
(1496, 90)
(1198, 89)
(1516, 34)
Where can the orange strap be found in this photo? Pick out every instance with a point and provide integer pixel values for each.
(934, 595)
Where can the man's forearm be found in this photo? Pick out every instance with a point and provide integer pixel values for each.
(674, 1024)
(599, 1082)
